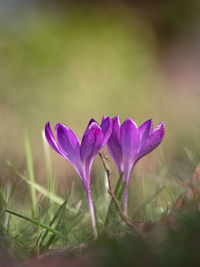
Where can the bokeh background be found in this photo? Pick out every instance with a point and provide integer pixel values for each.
(69, 61)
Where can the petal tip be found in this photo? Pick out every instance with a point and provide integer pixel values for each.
(47, 128)
(94, 124)
(57, 126)
(116, 118)
(47, 124)
(103, 118)
(161, 129)
(130, 122)
(116, 121)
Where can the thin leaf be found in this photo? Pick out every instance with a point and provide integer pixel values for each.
(38, 187)
(42, 225)
(3, 197)
(29, 164)
(53, 237)
(147, 202)
(119, 183)
(120, 193)
(61, 208)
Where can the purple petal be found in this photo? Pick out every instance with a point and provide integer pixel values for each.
(90, 122)
(114, 144)
(68, 143)
(152, 141)
(106, 127)
(92, 142)
(130, 142)
(51, 139)
(145, 130)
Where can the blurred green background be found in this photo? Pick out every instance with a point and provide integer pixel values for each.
(69, 61)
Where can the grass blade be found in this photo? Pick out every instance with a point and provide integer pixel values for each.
(30, 170)
(42, 225)
(147, 202)
(38, 187)
(119, 183)
(60, 209)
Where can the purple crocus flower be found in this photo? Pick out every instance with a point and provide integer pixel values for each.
(128, 143)
(81, 155)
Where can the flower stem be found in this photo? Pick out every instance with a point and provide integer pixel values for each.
(127, 175)
(125, 200)
(92, 216)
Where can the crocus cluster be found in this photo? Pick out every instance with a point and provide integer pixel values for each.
(126, 144)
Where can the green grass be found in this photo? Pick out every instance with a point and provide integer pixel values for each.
(47, 221)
